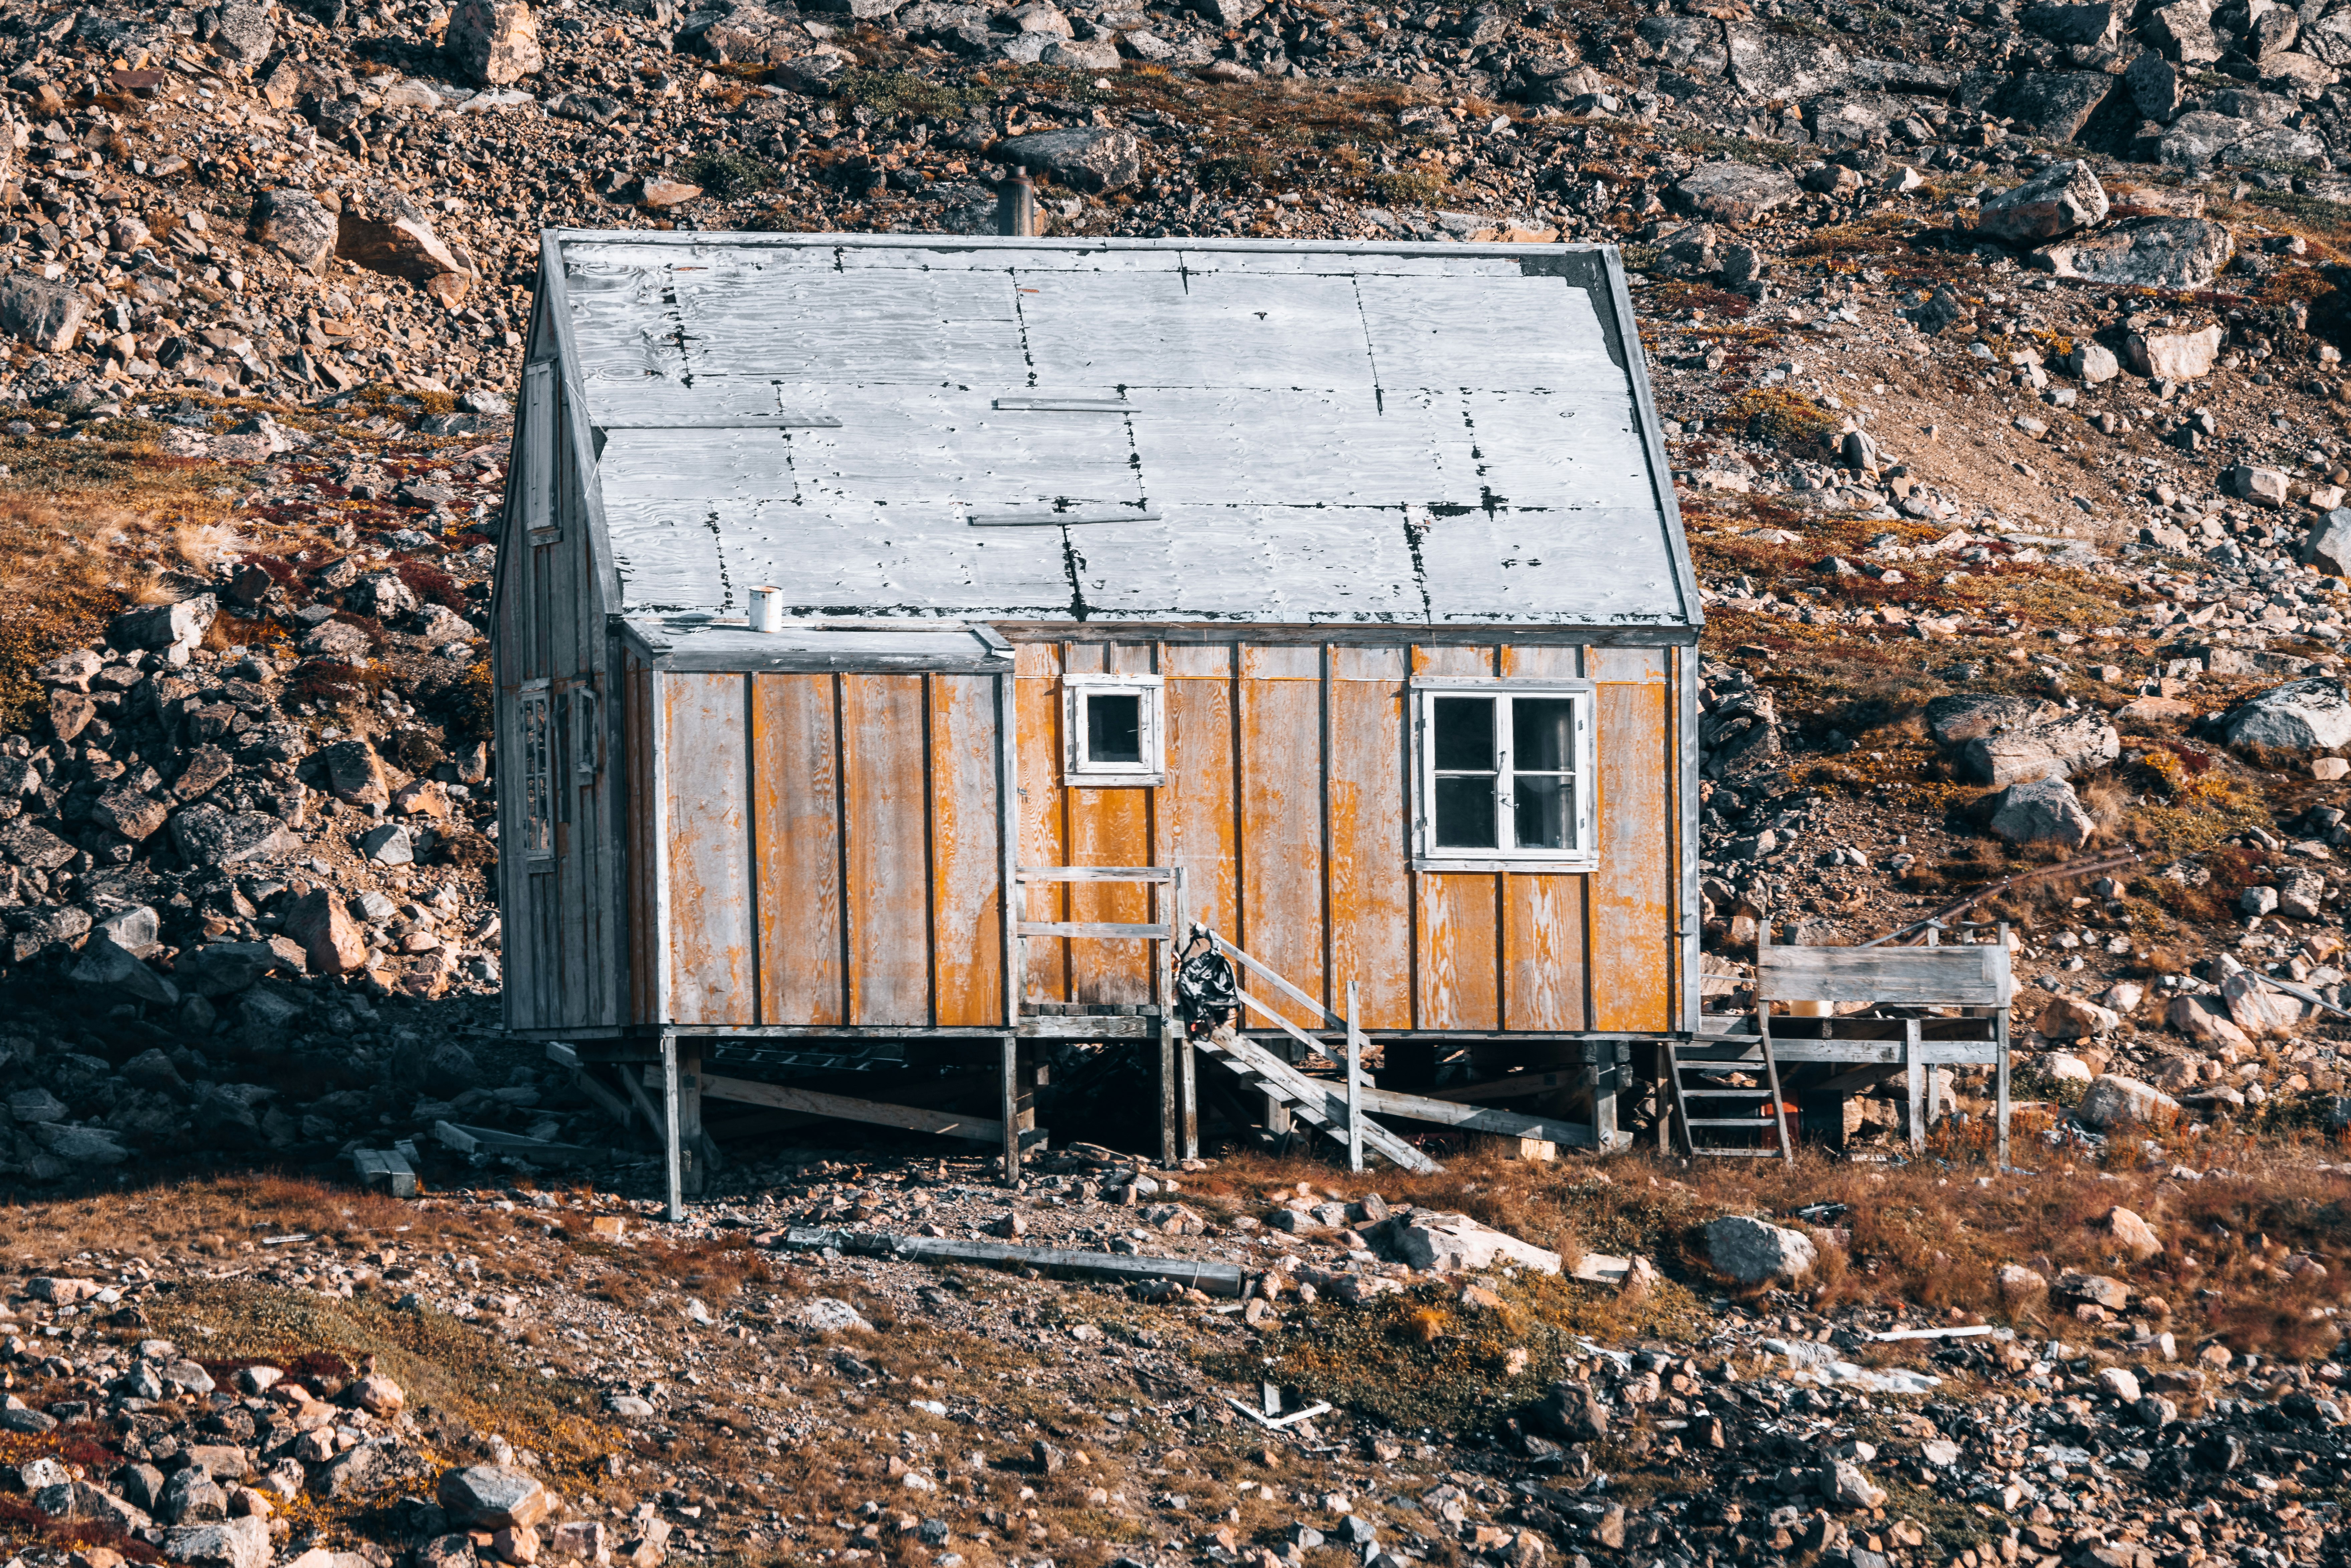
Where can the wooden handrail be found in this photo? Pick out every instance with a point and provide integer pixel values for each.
(1330, 1018)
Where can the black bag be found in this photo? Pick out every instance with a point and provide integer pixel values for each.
(1205, 990)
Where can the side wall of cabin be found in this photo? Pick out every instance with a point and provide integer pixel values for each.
(829, 848)
(560, 795)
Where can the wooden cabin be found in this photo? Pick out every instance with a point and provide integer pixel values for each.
(902, 642)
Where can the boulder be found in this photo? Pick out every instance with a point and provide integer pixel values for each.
(332, 942)
(2204, 1020)
(2058, 748)
(2302, 893)
(386, 232)
(2183, 32)
(1570, 1412)
(2312, 715)
(2328, 546)
(1769, 66)
(2068, 1018)
(494, 42)
(2054, 203)
(2093, 364)
(1687, 46)
(293, 223)
(131, 812)
(2091, 27)
(2149, 253)
(80, 1145)
(1753, 1251)
(2040, 812)
(1732, 193)
(2262, 487)
(172, 630)
(492, 1497)
(2156, 86)
(108, 967)
(244, 34)
(1455, 1243)
(2137, 1236)
(2055, 105)
(744, 35)
(242, 1543)
(208, 836)
(2174, 356)
(2017, 1282)
(2098, 1290)
(2113, 1101)
(35, 311)
(355, 773)
(2256, 1009)
(1085, 158)
(1973, 715)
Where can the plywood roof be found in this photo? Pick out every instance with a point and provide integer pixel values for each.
(1266, 431)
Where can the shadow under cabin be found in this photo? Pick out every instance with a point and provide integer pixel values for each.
(907, 646)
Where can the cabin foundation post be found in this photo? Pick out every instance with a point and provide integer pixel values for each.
(1008, 1059)
(673, 1154)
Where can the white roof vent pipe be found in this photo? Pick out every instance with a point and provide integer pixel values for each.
(766, 609)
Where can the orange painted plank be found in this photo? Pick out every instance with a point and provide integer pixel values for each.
(797, 798)
(1541, 661)
(1458, 934)
(1281, 816)
(1370, 872)
(1544, 945)
(965, 863)
(1632, 899)
(1194, 811)
(883, 793)
(706, 754)
(1038, 680)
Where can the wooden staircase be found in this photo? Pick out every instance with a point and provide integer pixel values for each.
(1728, 1137)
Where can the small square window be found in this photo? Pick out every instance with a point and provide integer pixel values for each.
(1113, 729)
(1504, 775)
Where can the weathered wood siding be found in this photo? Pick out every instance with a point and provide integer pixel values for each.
(1287, 802)
(568, 963)
(830, 849)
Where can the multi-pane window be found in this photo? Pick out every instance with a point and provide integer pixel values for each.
(1113, 729)
(1505, 773)
(535, 743)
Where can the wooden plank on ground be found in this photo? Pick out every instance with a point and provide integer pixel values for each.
(1209, 1279)
(848, 1108)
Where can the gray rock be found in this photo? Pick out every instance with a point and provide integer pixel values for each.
(1733, 192)
(244, 34)
(132, 928)
(2174, 356)
(494, 42)
(1690, 45)
(2183, 32)
(348, 1473)
(1224, 13)
(390, 844)
(291, 223)
(2041, 810)
(232, 1543)
(2329, 548)
(80, 1145)
(2092, 364)
(2113, 1101)
(2057, 749)
(2054, 203)
(2089, 26)
(2056, 105)
(384, 230)
(2151, 252)
(34, 847)
(1572, 1412)
(105, 965)
(208, 836)
(1753, 1251)
(1084, 159)
(192, 1497)
(337, 639)
(1769, 64)
(355, 773)
(2312, 715)
(861, 10)
(490, 1497)
(2156, 87)
(43, 314)
(2328, 40)
(224, 968)
(175, 630)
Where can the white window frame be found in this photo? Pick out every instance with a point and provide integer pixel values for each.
(535, 746)
(1079, 770)
(1428, 855)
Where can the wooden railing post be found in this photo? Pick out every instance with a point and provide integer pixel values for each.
(1355, 1086)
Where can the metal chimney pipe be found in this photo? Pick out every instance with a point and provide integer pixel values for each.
(1016, 206)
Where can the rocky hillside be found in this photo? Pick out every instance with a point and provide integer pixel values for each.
(1998, 347)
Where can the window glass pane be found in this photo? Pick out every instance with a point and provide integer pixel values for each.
(1114, 726)
(1542, 735)
(1464, 735)
(1542, 806)
(1465, 813)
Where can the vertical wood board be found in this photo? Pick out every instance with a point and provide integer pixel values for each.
(1281, 773)
(797, 830)
(705, 752)
(885, 791)
(966, 858)
(1370, 870)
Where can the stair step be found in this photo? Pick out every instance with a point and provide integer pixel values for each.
(1739, 1154)
(1724, 1093)
(1753, 1123)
